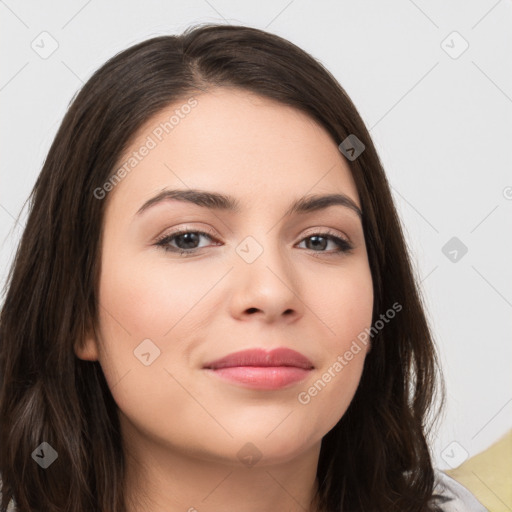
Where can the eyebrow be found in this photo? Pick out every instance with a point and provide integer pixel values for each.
(222, 202)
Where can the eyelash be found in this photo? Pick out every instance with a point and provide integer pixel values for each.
(345, 247)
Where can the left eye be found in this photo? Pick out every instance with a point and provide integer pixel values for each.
(322, 239)
(186, 241)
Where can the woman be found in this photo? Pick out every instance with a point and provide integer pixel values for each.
(212, 306)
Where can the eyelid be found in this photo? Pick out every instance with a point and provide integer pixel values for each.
(328, 231)
(213, 234)
(186, 229)
(343, 242)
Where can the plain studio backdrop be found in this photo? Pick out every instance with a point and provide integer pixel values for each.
(433, 83)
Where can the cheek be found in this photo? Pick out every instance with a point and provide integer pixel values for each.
(345, 304)
(343, 301)
(148, 299)
(149, 309)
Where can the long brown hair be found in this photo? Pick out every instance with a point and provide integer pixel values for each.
(376, 457)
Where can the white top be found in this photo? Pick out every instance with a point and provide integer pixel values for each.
(456, 498)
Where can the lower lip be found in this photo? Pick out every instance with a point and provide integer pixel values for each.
(257, 377)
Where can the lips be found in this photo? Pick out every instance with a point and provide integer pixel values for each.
(262, 370)
(262, 358)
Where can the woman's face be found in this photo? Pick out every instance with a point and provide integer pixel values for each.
(262, 278)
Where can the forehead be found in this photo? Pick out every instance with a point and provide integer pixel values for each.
(236, 141)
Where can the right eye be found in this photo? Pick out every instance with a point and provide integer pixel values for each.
(184, 237)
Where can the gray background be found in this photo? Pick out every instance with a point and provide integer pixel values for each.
(441, 118)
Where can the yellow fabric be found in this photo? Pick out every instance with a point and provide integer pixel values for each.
(488, 475)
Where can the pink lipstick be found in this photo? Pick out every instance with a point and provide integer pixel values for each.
(259, 369)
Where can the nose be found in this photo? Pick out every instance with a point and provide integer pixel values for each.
(266, 287)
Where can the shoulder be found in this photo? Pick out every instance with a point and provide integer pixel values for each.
(454, 497)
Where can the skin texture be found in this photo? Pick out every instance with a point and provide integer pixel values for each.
(182, 428)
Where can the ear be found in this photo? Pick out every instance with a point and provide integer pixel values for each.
(87, 348)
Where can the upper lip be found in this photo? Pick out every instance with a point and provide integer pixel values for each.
(261, 357)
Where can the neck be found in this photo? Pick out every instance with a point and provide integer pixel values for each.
(162, 479)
